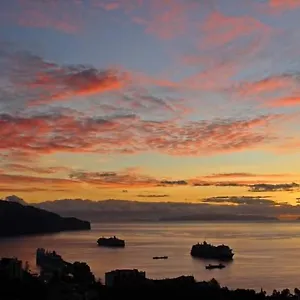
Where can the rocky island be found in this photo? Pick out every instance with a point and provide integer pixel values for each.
(17, 219)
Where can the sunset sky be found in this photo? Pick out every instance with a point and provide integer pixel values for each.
(150, 100)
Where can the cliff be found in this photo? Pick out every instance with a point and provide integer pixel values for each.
(16, 219)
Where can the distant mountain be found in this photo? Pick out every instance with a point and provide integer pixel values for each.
(124, 210)
(16, 199)
(16, 219)
(215, 217)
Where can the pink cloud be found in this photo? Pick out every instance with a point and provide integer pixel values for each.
(163, 18)
(50, 134)
(220, 29)
(268, 85)
(40, 20)
(286, 101)
(113, 5)
(40, 82)
(226, 46)
(167, 19)
(59, 85)
(283, 4)
(56, 14)
(274, 91)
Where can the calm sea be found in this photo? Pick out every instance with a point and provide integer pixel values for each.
(266, 254)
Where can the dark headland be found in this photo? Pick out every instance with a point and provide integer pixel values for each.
(17, 219)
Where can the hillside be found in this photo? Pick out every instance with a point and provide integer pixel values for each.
(16, 219)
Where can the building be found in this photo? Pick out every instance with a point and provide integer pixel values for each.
(11, 268)
(124, 277)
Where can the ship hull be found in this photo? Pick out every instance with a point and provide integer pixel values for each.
(111, 244)
(212, 256)
(214, 267)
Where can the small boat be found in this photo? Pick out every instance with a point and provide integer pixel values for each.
(210, 267)
(160, 257)
(111, 242)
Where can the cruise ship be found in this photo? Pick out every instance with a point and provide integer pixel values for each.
(209, 251)
(111, 242)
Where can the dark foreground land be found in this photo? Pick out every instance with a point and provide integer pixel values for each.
(83, 286)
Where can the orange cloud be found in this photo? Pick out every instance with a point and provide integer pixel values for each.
(272, 182)
(247, 175)
(22, 179)
(121, 179)
(17, 167)
(289, 145)
(286, 101)
(31, 184)
(14, 189)
(134, 178)
(77, 179)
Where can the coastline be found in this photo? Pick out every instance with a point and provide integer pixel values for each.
(78, 282)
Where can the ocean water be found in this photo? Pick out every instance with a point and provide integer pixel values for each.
(267, 255)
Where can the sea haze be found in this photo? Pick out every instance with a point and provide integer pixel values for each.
(122, 210)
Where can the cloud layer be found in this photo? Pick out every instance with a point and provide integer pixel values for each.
(135, 79)
(48, 133)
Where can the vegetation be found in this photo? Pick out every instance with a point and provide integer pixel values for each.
(81, 284)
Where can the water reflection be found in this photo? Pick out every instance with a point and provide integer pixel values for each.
(266, 255)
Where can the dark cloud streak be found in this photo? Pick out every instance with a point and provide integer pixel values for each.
(267, 187)
(153, 196)
(244, 200)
